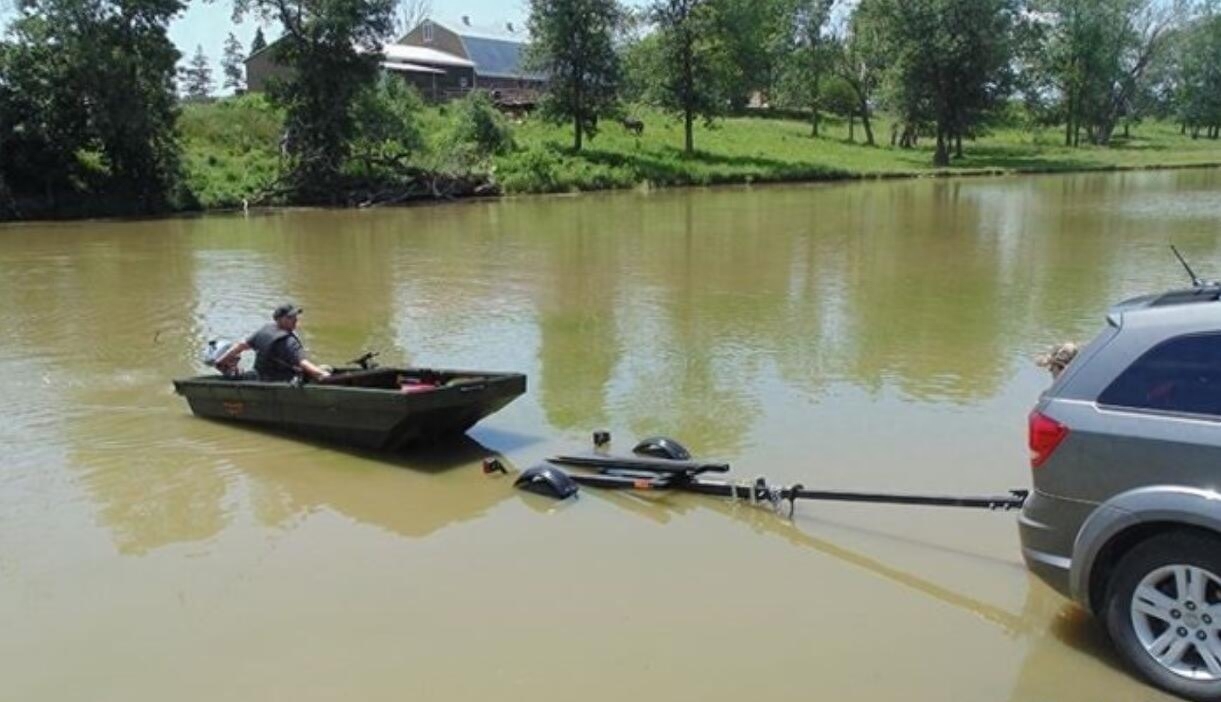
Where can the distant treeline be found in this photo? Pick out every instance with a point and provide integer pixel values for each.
(90, 90)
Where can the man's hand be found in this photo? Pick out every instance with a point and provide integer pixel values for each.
(231, 357)
(313, 372)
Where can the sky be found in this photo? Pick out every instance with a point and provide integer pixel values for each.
(206, 24)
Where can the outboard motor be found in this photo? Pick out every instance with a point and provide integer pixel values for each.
(212, 353)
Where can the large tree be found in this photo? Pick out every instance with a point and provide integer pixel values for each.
(93, 103)
(1096, 55)
(572, 41)
(197, 76)
(858, 59)
(331, 49)
(1197, 69)
(810, 55)
(949, 61)
(232, 63)
(693, 62)
(756, 39)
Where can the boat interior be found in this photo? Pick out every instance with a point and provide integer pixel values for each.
(399, 378)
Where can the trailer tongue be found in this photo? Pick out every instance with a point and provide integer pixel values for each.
(650, 473)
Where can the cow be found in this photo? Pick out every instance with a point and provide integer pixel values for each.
(633, 125)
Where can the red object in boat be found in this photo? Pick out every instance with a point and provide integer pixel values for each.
(411, 388)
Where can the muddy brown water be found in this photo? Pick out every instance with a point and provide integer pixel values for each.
(874, 336)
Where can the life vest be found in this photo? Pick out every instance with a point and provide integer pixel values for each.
(270, 367)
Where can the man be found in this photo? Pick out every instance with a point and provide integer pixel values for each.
(279, 355)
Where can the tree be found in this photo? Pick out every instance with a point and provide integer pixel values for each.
(388, 133)
(412, 13)
(693, 62)
(641, 60)
(573, 44)
(949, 61)
(838, 98)
(859, 62)
(197, 77)
(258, 43)
(331, 49)
(40, 133)
(809, 56)
(1096, 56)
(756, 45)
(1197, 69)
(92, 106)
(232, 64)
(477, 130)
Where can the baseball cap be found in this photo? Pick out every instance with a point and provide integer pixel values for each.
(288, 309)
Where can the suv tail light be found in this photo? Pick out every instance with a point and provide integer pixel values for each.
(1045, 435)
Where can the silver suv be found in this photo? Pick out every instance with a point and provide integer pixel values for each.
(1125, 516)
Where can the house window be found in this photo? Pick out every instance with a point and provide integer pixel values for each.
(462, 82)
(427, 32)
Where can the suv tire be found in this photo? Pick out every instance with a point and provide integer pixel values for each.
(1153, 608)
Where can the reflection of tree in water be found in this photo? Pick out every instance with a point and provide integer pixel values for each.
(805, 332)
(718, 309)
(1069, 249)
(126, 306)
(925, 304)
(151, 495)
(1092, 240)
(579, 345)
(341, 269)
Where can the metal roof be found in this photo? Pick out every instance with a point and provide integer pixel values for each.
(402, 53)
(410, 68)
(498, 58)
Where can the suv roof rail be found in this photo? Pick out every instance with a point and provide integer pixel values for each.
(1210, 292)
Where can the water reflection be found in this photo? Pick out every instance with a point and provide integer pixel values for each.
(857, 335)
(578, 300)
(1060, 635)
(413, 495)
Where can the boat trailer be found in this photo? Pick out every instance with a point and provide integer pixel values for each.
(661, 464)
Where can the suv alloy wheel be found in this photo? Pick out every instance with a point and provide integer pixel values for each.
(1163, 611)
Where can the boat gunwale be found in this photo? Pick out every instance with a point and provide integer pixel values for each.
(489, 378)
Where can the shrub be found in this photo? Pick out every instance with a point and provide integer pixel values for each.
(478, 128)
(387, 119)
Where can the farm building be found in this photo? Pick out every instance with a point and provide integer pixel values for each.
(441, 63)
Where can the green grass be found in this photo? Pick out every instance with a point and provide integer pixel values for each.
(230, 149)
(232, 152)
(763, 149)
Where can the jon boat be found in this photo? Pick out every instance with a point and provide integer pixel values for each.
(384, 409)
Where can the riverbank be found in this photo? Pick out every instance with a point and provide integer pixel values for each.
(232, 153)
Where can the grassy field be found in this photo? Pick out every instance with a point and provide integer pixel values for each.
(232, 152)
(758, 149)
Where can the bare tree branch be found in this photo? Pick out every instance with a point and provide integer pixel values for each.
(411, 13)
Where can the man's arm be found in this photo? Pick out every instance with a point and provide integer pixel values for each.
(294, 353)
(230, 356)
(313, 371)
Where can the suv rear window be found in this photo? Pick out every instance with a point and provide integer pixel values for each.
(1179, 375)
